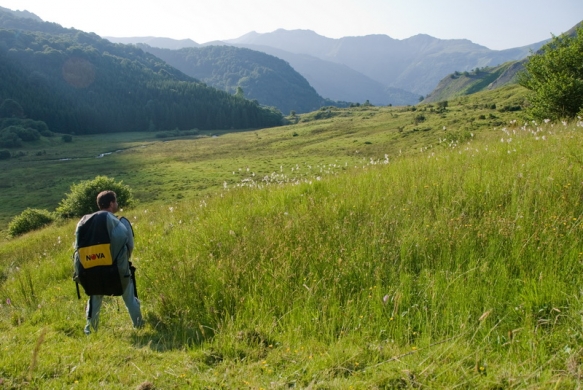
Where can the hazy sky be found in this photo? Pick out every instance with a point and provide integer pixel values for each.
(496, 24)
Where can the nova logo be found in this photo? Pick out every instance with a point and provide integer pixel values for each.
(94, 256)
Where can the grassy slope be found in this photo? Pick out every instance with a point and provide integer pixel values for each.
(460, 85)
(189, 168)
(455, 264)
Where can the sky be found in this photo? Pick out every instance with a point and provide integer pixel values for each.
(496, 24)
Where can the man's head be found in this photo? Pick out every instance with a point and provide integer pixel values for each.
(107, 200)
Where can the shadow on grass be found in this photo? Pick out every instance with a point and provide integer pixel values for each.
(161, 336)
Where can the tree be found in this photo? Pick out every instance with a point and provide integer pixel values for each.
(9, 139)
(240, 93)
(555, 77)
(442, 106)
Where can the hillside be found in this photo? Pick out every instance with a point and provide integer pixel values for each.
(365, 248)
(466, 83)
(435, 246)
(265, 78)
(79, 83)
(481, 79)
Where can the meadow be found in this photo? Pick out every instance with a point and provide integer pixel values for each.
(363, 248)
(159, 170)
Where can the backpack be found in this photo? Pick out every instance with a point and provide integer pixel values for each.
(95, 265)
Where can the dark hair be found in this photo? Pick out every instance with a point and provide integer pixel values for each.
(104, 199)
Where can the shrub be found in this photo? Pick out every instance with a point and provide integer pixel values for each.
(555, 77)
(29, 220)
(39, 126)
(83, 196)
(28, 134)
(24, 133)
(5, 154)
(67, 138)
(46, 133)
(190, 132)
(9, 140)
(419, 118)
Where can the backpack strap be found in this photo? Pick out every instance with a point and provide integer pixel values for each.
(122, 218)
(132, 267)
(75, 279)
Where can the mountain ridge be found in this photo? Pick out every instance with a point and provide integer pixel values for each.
(388, 60)
(394, 71)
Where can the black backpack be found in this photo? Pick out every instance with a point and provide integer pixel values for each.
(95, 266)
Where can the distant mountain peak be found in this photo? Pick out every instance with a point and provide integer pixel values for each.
(277, 34)
(296, 31)
(251, 34)
(167, 43)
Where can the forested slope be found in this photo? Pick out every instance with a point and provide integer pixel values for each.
(79, 83)
(263, 77)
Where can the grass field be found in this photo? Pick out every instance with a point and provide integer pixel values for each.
(369, 249)
(190, 167)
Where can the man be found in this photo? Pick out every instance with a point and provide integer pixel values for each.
(122, 245)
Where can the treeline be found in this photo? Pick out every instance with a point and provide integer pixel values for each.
(262, 77)
(78, 83)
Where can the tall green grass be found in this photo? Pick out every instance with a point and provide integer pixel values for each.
(459, 267)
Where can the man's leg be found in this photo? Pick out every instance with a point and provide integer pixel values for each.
(93, 308)
(133, 305)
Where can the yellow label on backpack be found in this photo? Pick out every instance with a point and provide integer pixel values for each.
(92, 256)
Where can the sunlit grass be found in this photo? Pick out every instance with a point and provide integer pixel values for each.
(458, 265)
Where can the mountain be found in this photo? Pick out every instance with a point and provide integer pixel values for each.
(77, 82)
(338, 81)
(488, 78)
(414, 64)
(265, 78)
(377, 68)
